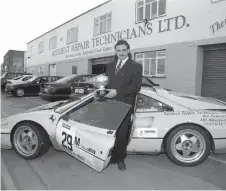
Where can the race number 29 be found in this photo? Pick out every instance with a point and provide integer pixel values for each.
(67, 138)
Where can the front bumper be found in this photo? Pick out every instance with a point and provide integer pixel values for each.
(220, 146)
(9, 88)
(5, 141)
(53, 97)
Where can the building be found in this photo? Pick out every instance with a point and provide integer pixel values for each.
(13, 61)
(181, 43)
(25, 61)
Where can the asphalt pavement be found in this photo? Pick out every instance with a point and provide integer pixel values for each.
(57, 170)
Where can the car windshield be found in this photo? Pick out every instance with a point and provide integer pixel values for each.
(66, 79)
(17, 78)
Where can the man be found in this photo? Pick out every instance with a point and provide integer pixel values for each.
(125, 77)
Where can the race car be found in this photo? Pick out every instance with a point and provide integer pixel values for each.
(185, 127)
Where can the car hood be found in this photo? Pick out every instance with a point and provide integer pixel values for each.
(191, 101)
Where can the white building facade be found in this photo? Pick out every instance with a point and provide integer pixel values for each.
(181, 43)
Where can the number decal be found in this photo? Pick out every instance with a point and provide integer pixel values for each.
(68, 138)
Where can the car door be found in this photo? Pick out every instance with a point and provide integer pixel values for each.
(87, 132)
(34, 86)
(148, 122)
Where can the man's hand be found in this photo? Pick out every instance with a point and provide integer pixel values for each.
(111, 94)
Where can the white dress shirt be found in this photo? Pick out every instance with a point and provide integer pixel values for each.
(123, 62)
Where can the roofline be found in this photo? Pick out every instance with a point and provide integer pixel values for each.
(72, 19)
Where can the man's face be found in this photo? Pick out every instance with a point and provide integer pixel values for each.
(122, 51)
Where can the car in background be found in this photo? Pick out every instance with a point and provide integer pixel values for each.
(61, 89)
(18, 80)
(79, 89)
(10, 75)
(32, 86)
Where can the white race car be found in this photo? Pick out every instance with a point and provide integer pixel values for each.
(185, 127)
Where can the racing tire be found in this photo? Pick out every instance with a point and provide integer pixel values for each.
(20, 93)
(188, 145)
(34, 138)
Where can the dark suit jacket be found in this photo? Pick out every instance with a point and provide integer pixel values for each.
(127, 81)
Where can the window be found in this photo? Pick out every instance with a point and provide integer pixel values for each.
(145, 104)
(37, 80)
(27, 78)
(72, 35)
(150, 9)
(94, 113)
(17, 78)
(102, 24)
(153, 62)
(31, 51)
(41, 47)
(74, 69)
(53, 43)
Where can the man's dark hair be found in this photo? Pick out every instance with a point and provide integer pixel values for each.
(123, 42)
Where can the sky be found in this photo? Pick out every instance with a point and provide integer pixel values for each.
(23, 20)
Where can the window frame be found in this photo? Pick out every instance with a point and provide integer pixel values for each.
(99, 21)
(156, 58)
(135, 108)
(144, 10)
(72, 35)
(41, 47)
(53, 39)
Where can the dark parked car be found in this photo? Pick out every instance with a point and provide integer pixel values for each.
(60, 90)
(32, 87)
(9, 75)
(83, 88)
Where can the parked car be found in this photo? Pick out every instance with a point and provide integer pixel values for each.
(60, 89)
(18, 80)
(79, 89)
(9, 75)
(32, 86)
(185, 127)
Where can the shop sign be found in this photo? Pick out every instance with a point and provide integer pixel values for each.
(218, 25)
(104, 43)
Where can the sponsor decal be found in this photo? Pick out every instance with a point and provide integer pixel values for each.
(66, 126)
(214, 119)
(152, 109)
(91, 151)
(52, 118)
(194, 112)
(148, 132)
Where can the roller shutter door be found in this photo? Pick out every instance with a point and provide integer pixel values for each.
(214, 72)
(99, 65)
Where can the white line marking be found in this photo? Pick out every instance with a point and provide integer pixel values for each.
(6, 178)
(33, 101)
(217, 160)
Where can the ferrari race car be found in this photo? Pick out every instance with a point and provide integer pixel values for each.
(185, 127)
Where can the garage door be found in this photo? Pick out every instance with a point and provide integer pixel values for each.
(214, 72)
(99, 65)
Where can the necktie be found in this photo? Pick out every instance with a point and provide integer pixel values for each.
(118, 67)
